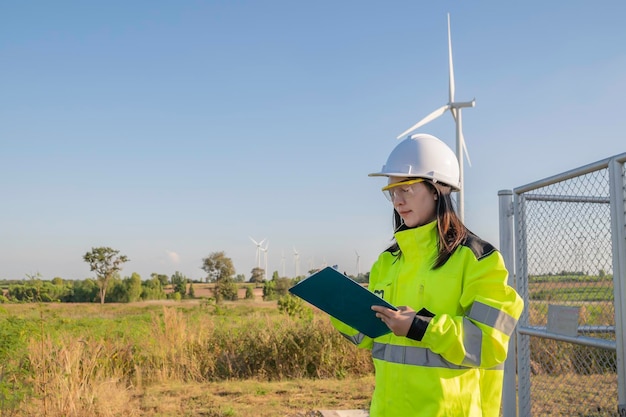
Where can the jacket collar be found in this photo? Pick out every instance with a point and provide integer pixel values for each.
(418, 240)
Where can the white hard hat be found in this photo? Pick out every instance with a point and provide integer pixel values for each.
(424, 156)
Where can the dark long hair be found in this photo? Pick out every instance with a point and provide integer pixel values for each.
(451, 231)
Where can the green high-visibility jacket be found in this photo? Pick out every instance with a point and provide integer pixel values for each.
(456, 370)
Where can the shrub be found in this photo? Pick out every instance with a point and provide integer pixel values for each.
(294, 307)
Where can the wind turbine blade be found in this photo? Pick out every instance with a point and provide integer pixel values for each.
(441, 110)
(451, 90)
(253, 241)
(453, 111)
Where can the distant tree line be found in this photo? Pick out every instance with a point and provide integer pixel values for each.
(109, 286)
(119, 290)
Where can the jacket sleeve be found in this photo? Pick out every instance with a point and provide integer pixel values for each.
(352, 334)
(480, 336)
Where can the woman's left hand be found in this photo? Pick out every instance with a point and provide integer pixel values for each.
(398, 321)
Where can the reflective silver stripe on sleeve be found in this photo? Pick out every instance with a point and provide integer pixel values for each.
(492, 317)
(356, 339)
(472, 342)
(498, 367)
(411, 355)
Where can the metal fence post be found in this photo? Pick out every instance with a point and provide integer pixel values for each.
(618, 226)
(507, 249)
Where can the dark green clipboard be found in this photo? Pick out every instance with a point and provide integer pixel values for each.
(344, 299)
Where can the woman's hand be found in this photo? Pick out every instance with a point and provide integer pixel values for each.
(398, 321)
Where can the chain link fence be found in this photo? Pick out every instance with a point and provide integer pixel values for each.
(567, 356)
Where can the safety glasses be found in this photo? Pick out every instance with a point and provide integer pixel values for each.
(403, 188)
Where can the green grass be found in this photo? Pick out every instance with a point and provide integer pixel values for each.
(77, 351)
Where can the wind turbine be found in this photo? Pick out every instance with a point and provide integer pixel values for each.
(296, 261)
(265, 254)
(455, 108)
(282, 263)
(258, 251)
(358, 269)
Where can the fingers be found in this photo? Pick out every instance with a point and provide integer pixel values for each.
(381, 309)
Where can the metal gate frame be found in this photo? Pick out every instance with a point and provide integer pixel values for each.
(512, 229)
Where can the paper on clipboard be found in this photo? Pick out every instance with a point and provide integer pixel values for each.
(344, 299)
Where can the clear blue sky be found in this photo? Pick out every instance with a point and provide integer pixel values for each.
(171, 130)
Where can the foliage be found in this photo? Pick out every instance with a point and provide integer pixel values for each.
(249, 292)
(152, 289)
(179, 282)
(105, 262)
(294, 307)
(218, 266)
(276, 288)
(125, 290)
(226, 289)
(565, 276)
(257, 275)
(133, 288)
(38, 291)
(84, 291)
(574, 293)
(162, 278)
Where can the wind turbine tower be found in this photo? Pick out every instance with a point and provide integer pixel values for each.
(455, 109)
(282, 263)
(358, 265)
(265, 255)
(296, 261)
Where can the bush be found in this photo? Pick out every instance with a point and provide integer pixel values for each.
(294, 307)
(276, 288)
(226, 289)
(249, 292)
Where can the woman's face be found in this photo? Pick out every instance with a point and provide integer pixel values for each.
(415, 203)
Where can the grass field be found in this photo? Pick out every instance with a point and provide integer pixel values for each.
(168, 358)
(193, 358)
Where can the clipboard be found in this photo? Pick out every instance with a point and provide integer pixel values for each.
(344, 299)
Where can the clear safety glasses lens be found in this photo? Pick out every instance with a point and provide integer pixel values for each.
(392, 190)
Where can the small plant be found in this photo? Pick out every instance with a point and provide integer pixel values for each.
(249, 293)
(294, 307)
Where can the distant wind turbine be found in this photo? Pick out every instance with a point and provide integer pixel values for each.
(358, 267)
(258, 251)
(282, 263)
(265, 249)
(455, 108)
(296, 261)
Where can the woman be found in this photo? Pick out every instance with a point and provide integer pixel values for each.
(449, 338)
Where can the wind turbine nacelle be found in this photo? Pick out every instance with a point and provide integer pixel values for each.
(462, 104)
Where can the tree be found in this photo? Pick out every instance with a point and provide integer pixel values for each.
(84, 291)
(249, 292)
(133, 287)
(218, 266)
(152, 289)
(162, 278)
(226, 289)
(179, 282)
(258, 275)
(105, 262)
